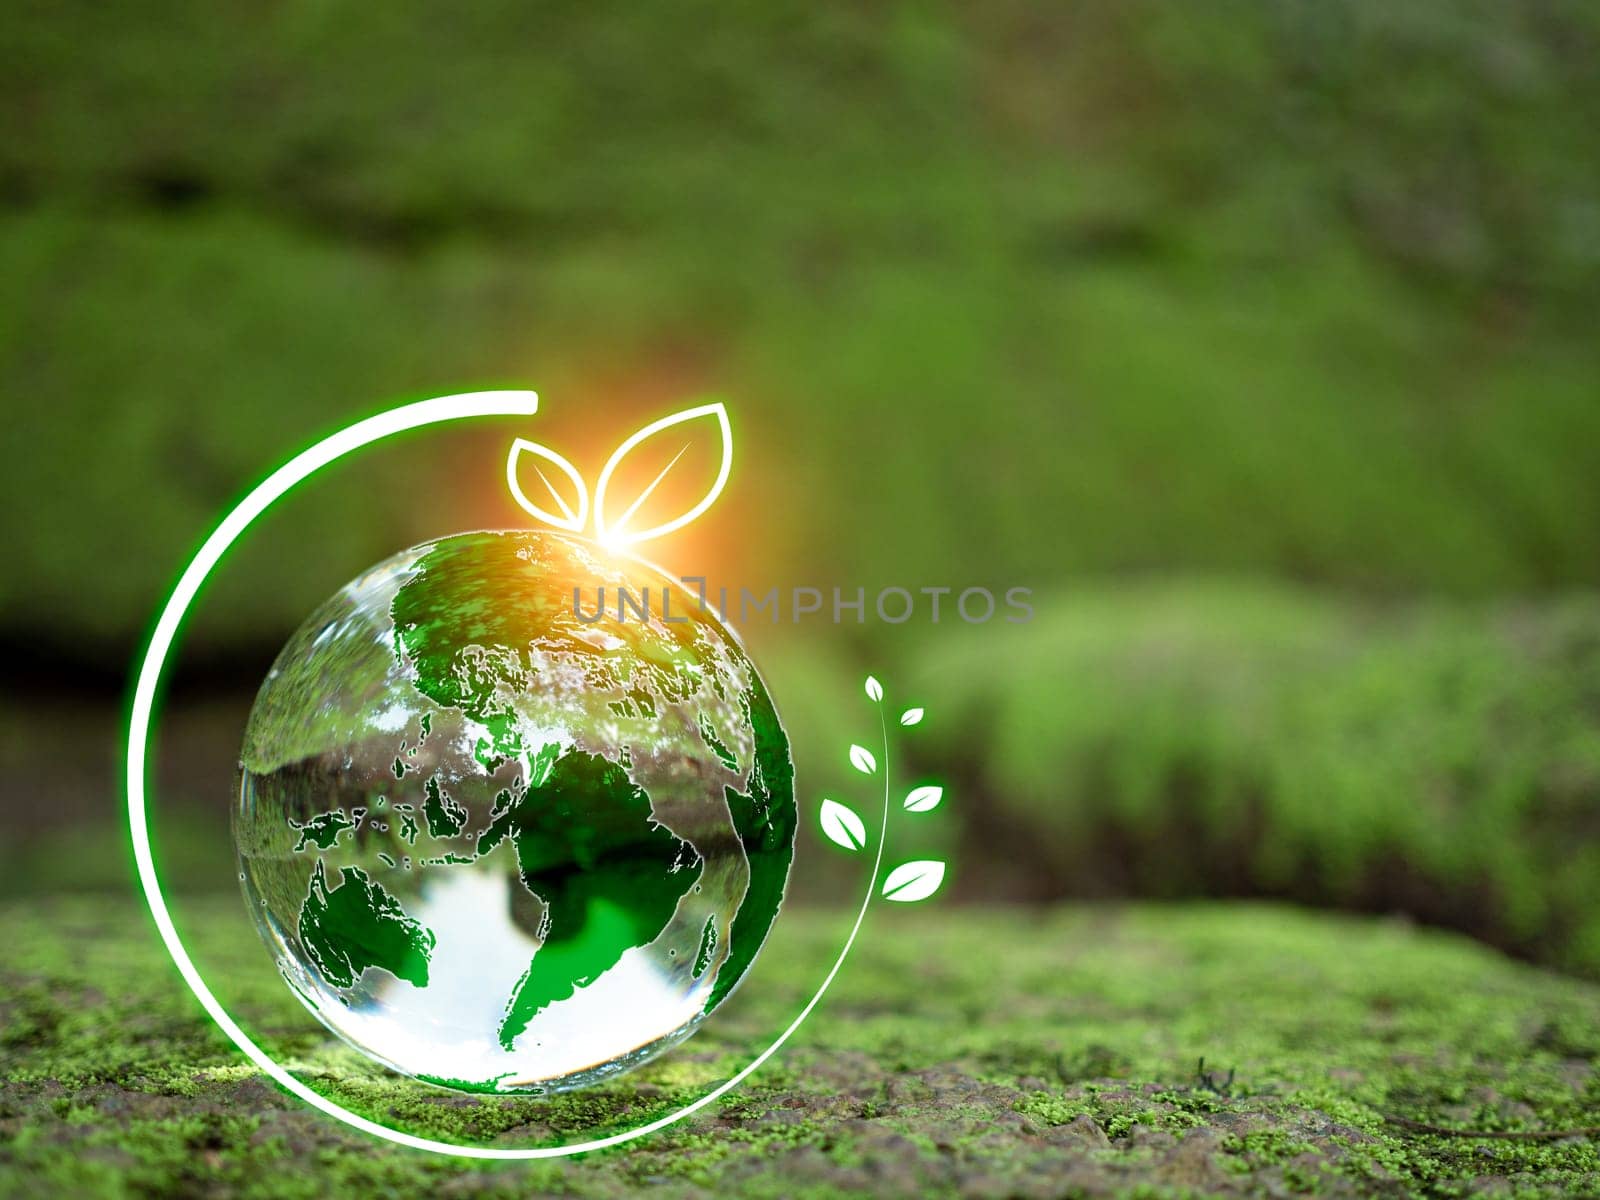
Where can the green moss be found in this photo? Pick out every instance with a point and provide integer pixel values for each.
(1191, 738)
(1393, 225)
(928, 1071)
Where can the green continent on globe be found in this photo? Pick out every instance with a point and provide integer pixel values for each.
(359, 925)
(323, 830)
(445, 817)
(610, 877)
(765, 817)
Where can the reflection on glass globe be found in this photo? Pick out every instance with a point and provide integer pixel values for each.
(500, 846)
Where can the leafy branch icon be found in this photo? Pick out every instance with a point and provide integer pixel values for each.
(843, 826)
(560, 498)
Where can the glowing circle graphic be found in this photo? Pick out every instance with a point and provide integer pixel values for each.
(143, 711)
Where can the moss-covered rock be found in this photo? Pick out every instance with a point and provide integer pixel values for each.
(1189, 738)
(982, 1052)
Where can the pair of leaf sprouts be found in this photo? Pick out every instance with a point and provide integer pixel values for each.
(842, 826)
(563, 501)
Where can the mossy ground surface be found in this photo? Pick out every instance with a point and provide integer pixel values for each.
(987, 1052)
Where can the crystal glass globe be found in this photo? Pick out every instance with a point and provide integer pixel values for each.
(499, 844)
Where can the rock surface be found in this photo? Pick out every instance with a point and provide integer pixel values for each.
(1004, 1052)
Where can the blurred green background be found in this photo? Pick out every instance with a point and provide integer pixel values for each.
(1259, 340)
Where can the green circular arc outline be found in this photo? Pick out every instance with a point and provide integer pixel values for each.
(255, 504)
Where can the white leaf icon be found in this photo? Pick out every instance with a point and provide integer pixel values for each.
(924, 798)
(911, 716)
(861, 759)
(842, 827)
(617, 531)
(874, 689)
(567, 517)
(913, 881)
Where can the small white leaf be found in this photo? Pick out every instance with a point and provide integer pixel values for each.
(842, 827)
(913, 881)
(861, 759)
(911, 716)
(617, 531)
(874, 689)
(568, 517)
(924, 798)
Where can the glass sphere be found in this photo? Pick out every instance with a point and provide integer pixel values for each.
(498, 842)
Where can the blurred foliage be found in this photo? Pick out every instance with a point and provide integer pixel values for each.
(1003, 294)
(1298, 287)
(1182, 740)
